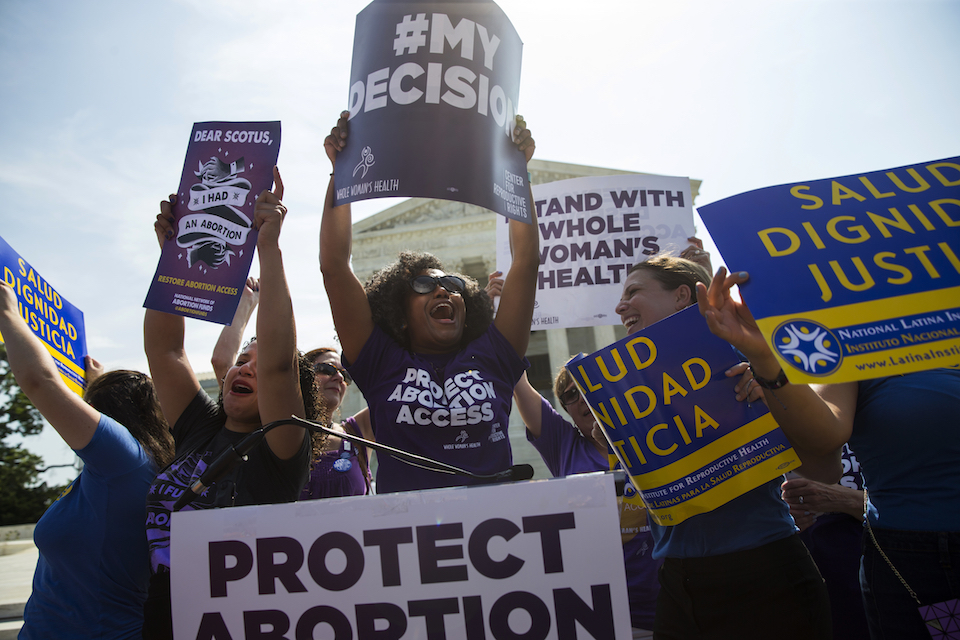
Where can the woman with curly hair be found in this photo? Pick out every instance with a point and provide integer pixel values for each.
(436, 369)
(269, 381)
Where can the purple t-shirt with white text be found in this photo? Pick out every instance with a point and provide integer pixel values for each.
(452, 407)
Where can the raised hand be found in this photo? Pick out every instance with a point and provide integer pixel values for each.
(494, 284)
(164, 223)
(269, 212)
(728, 318)
(336, 142)
(522, 138)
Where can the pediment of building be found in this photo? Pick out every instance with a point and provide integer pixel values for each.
(425, 212)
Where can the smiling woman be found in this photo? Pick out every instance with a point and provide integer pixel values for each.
(436, 370)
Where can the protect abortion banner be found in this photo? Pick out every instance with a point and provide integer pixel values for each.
(670, 414)
(592, 230)
(529, 560)
(853, 277)
(57, 323)
(203, 268)
(433, 95)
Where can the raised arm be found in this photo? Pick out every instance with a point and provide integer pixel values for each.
(695, 253)
(228, 344)
(348, 301)
(527, 398)
(817, 422)
(36, 373)
(520, 287)
(529, 403)
(278, 371)
(173, 377)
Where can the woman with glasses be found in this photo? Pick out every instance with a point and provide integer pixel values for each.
(437, 371)
(342, 468)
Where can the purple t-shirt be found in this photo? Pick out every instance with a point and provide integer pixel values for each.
(337, 473)
(566, 452)
(451, 407)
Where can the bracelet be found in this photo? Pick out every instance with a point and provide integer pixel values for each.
(776, 383)
(529, 178)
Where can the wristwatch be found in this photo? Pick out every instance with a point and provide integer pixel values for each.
(776, 383)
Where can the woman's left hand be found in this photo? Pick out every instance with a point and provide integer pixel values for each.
(747, 388)
(523, 139)
(269, 213)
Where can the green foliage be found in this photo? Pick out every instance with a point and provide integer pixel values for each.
(23, 499)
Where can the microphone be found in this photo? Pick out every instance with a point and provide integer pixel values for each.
(223, 464)
(237, 453)
(515, 473)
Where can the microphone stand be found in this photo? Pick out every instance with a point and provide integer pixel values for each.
(235, 454)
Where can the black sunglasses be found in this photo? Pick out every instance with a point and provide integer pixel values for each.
(329, 369)
(427, 284)
(570, 396)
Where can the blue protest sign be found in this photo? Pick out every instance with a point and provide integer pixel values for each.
(852, 277)
(670, 414)
(57, 323)
(433, 94)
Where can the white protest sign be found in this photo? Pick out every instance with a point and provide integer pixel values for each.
(536, 559)
(592, 230)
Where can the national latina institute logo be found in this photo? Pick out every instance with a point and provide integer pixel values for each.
(808, 346)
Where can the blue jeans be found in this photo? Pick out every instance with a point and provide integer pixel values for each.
(929, 561)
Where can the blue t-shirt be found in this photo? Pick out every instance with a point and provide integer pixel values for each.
(452, 407)
(566, 452)
(92, 574)
(752, 520)
(905, 434)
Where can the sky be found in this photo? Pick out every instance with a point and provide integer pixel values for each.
(99, 98)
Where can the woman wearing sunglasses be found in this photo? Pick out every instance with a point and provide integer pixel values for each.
(437, 371)
(342, 468)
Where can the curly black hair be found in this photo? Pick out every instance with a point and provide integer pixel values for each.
(388, 288)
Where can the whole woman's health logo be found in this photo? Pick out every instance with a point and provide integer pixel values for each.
(808, 346)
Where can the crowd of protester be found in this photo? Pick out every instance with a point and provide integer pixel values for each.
(742, 570)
